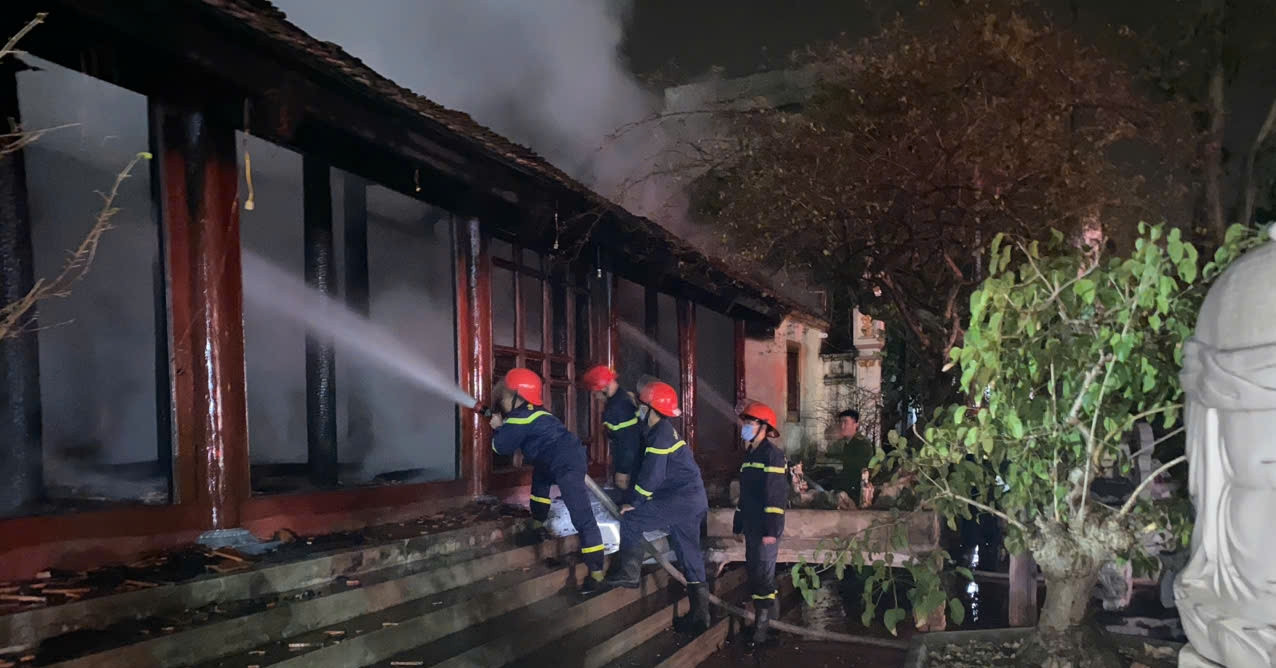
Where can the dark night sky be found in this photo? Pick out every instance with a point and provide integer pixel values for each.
(559, 75)
(682, 40)
(738, 35)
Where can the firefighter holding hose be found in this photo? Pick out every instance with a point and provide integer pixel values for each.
(669, 496)
(620, 418)
(557, 457)
(764, 491)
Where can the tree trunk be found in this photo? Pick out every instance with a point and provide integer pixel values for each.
(1249, 189)
(1064, 639)
(1067, 597)
(1213, 154)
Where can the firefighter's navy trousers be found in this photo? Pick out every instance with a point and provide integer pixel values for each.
(682, 521)
(759, 560)
(571, 484)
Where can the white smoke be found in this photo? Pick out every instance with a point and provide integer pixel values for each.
(548, 74)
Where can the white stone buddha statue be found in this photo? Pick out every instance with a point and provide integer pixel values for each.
(1226, 595)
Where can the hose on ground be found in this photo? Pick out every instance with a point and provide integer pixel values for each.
(814, 634)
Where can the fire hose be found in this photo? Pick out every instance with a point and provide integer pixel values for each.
(814, 634)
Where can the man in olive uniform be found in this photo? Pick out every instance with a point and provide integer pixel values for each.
(855, 452)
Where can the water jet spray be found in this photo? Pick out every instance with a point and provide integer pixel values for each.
(289, 296)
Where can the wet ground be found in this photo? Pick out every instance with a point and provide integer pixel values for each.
(795, 652)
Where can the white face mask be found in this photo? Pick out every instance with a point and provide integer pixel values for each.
(642, 412)
(748, 432)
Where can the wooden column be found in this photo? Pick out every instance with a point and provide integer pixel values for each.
(354, 203)
(201, 217)
(687, 355)
(612, 332)
(321, 361)
(163, 370)
(22, 475)
(1023, 590)
(651, 328)
(474, 335)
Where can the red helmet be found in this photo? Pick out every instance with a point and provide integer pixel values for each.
(526, 384)
(598, 378)
(661, 397)
(762, 413)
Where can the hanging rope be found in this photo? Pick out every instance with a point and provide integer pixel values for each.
(814, 634)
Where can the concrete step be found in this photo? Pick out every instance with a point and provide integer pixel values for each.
(367, 639)
(24, 631)
(535, 626)
(672, 650)
(612, 636)
(263, 620)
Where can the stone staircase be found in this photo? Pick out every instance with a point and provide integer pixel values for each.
(467, 597)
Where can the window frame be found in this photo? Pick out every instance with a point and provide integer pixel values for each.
(574, 283)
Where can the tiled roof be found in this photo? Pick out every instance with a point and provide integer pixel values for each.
(271, 23)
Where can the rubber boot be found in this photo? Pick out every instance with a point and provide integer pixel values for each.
(628, 571)
(763, 611)
(593, 584)
(696, 621)
(534, 534)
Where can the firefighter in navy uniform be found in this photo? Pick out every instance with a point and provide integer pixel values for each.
(764, 493)
(669, 496)
(620, 418)
(557, 457)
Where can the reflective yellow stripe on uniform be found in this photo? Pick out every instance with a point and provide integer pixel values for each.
(773, 510)
(763, 598)
(527, 420)
(765, 469)
(665, 451)
(587, 550)
(523, 420)
(617, 427)
(540, 499)
(640, 490)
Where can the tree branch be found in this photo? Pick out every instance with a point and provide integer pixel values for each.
(947, 491)
(1134, 497)
(76, 266)
(10, 47)
(1085, 387)
(1250, 189)
(1130, 421)
(1157, 442)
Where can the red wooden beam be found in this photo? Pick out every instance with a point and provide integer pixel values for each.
(201, 217)
(79, 541)
(334, 510)
(474, 335)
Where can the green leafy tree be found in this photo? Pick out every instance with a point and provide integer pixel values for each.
(921, 143)
(1064, 352)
